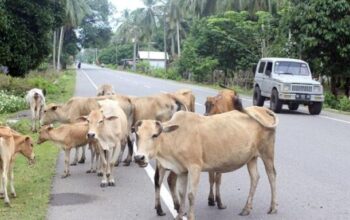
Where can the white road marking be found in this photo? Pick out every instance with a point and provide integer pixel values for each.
(197, 103)
(92, 82)
(164, 193)
(335, 119)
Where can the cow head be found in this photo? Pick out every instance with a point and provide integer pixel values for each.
(44, 133)
(51, 114)
(219, 104)
(148, 133)
(212, 105)
(25, 146)
(96, 120)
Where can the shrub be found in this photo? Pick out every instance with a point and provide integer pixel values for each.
(330, 100)
(344, 104)
(10, 103)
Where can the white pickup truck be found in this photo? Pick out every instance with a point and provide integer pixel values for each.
(286, 81)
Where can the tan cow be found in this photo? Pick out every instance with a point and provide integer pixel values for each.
(11, 143)
(190, 143)
(105, 89)
(66, 136)
(187, 98)
(108, 126)
(226, 100)
(81, 106)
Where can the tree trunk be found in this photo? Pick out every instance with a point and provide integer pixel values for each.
(54, 50)
(178, 38)
(334, 88)
(165, 46)
(60, 44)
(172, 49)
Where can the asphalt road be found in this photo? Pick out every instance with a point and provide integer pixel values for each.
(312, 164)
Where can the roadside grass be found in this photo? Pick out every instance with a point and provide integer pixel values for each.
(33, 183)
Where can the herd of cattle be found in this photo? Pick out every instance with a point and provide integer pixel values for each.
(164, 127)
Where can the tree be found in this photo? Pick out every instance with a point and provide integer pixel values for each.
(25, 28)
(321, 29)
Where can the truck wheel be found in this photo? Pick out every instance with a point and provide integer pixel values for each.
(293, 106)
(258, 100)
(315, 108)
(275, 103)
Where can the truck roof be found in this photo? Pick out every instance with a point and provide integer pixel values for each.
(273, 59)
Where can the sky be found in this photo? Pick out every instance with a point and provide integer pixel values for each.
(127, 4)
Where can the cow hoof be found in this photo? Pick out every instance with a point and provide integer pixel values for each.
(89, 171)
(103, 185)
(160, 211)
(93, 171)
(116, 164)
(272, 211)
(73, 164)
(8, 204)
(244, 212)
(99, 174)
(81, 160)
(108, 175)
(2, 195)
(14, 195)
(65, 176)
(221, 206)
(111, 184)
(211, 202)
(177, 207)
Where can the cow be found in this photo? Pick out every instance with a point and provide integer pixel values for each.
(226, 100)
(105, 90)
(81, 106)
(108, 126)
(162, 107)
(11, 143)
(67, 136)
(190, 143)
(36, 100)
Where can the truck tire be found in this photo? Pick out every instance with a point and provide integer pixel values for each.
(315, 108)
(275, 103)
(293, 106)
(258, 100)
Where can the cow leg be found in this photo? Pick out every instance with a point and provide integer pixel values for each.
(4, 180)
(182, 184)
(75, 161)
(193, 181)
(66, 163)
(120, 156)
(92, 152)
(33, 119)
(217, 191)
(211, 197)
(115, 155)
(254, 178)
(128, 159)
(82, 159)
(172, 186)
(271, 173)
(1, 185)
(12, 187)
(158, 180)
(103, 155)
(98, 163)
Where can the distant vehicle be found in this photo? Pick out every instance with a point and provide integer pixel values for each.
(79, 65)
(286, 81)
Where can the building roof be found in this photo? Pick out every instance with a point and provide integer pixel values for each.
(152, 55)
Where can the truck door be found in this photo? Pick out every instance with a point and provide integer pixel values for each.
(267, 80)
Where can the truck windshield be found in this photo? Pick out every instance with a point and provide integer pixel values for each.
(291, 68)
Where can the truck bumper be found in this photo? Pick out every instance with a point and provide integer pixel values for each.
(301, 97)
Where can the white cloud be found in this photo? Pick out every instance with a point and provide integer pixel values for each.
(127, 4)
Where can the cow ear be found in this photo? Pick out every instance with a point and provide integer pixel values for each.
(237, 103)
(137, 124)
(53, 108)
(81, 119)
(50, 127)
(170, 128)
(27, 138)
(110, 118)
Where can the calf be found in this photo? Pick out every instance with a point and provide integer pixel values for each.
(226, 100)
(105, 89)
(108, 126)
(12, 143)
(191, 143)
(67, 136)
(36, 100)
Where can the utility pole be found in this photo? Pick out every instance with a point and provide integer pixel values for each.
(165, 48)
(134, 57)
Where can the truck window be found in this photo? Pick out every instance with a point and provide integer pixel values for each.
(268, 68)
(261, 67)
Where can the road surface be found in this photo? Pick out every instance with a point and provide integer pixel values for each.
(312, 164)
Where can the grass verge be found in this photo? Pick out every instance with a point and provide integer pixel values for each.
(33, 183)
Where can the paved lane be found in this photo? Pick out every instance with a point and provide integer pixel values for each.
(311, 161)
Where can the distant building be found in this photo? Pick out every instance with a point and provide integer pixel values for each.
(155, 59)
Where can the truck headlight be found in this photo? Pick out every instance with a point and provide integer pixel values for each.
(318, 89)
(287, 88)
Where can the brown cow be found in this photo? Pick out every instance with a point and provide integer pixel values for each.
(105, 89)
(226, 100)
(11, 143)
(190, 143)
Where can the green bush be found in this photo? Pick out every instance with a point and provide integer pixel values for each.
(344, 104)
(143, 67)
(10, 103)
(330, 100)
(171, 73)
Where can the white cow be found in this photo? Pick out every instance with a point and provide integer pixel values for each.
(36, 100)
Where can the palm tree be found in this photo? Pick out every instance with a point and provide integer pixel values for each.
(75, 12)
